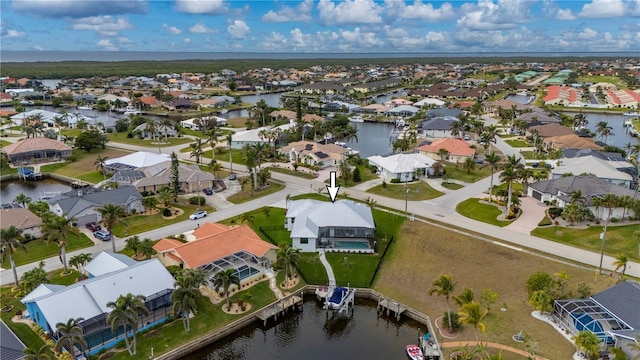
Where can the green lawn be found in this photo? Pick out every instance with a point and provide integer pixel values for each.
(516, 143)
(457, 172)
(222, 154)
(5, 169)
(354, 270)
(365, 175)
(619, 239)
(71, 132)
(313, 270)
(417, 191)
(473, 209)
(4, 143)
(451, 186)
(248, 194)
(601, 78)
(38, 250)
(136, 224)
(301, 174)
(122, 138)
(83, 167)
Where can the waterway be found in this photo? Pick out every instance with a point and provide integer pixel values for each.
(33, 189)
(373, 139)
(621, 134)
(311, 335)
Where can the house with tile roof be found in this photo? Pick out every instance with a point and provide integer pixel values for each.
(457, 150)
(343, 225)
(216, 247)
(34, 150)
(312, 153)
(22, 219)
(50, 304)
(82, 205)
(403, 167)
(570, 141)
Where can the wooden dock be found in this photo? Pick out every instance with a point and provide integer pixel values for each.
(388, 306)
(290, 302)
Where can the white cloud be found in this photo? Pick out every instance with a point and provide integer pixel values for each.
(107, 45)
(488, 16)
(301, 13)
(350, 12)
(79, 9)
(359, 40)
(298, 38)
(213, 7)
(13, 34)
(104, 25)
(201, 29)
(171, 29)
(587, 34)
(603, 9)
(565, 14)
(422, 11)
(123, 40)
(273, 42)
(238, 29)
(38, 47)
(187, 40)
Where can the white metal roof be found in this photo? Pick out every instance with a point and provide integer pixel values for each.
(322, 214)
(139, 159)
(106, 262)
(402, 163)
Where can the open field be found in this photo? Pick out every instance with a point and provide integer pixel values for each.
(416, 191)
(83, 168)
(615, 80)
(423, 252)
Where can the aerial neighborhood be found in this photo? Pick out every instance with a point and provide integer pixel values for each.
(150, 215)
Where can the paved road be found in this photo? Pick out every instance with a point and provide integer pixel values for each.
(441, 209)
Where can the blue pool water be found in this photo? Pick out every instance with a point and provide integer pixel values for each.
(246, 271)
(350, 245)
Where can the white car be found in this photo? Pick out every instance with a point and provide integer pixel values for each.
(198, 215)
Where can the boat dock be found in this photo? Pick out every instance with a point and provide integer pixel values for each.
(343, 306)
(281, 307)
(388, 306)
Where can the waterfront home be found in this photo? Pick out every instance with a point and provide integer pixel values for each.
(570, 141)
(340, 106)
(251, 137)
(49, 304)
(134, 161)
(314, 154)
(438, 127)
(600, 168)
(288, 115)
(429, 102)
(562, 95)
(403, 110)
(559, 191)
(147, 131)
(320, 88)
(82, 205)
(215, 247)
(549, 130)
(402, 167)
(448, 149)
(612, 315)
(202, 123)
(44, 116)
(343, 225)
(36, 150)
(22, 219)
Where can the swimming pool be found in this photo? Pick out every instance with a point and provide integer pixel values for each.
(351, 244)
(246, 271)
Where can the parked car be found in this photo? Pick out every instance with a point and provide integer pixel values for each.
(93, 226)
(103, 235)
(198, 215)
(207, 191)
(232, 176)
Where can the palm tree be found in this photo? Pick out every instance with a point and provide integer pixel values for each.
(444, 286)
(621, 262)
(443, 153)
(224, 279)
(124, 312)
(212, 139)
(183, 298)
(229, 139)
(604, 130)
(492, 159)
(42, 353)
(57, 229)
(10, 241)
(112, 215)
(588, 342)
(149, 202)
(473, 314)
(288, 257)
(165, 195)
(70, 334)
(469, 165)
(22, 199)
(465, 297)
(508, 175)
(100, 163)
(197, 150)
(576, 197)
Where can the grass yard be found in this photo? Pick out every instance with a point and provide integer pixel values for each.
(5, 169)
(171, 141)
(222, 154)
(313, 270)
(301, 174)
(38, 250)
(423, 252)
(457, 172)
(517, 143)
(474, 209)
(136, 224)
(417, 191)
(4, 143)
(619, 238)
(365, 175)
(71, 132)
(248, 194)
(602, 78)
(84, 161)
(451, 185)
(280, 278)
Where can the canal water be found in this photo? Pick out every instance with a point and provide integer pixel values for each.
(616, 121)
(33, 189)
(310, 334)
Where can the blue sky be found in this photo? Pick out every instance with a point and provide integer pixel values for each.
(321, 26)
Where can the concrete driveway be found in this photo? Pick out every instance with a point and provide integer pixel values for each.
(532, 212)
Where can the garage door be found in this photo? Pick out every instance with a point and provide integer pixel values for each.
(536, 195)
(87, 219)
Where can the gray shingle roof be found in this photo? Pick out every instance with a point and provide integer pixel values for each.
(10, 346)
(122, 195)
(588, 185)
(623, 301)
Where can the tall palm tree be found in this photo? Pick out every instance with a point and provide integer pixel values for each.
(112, 215)
(576, 197)
(41, 353)
(288, 257)
(165, 195)
(444, 286)
(10, 241)
(22, 199)
(493, 160)
(70, 334)
(197, 150)
(443, 153)
(223, 281)
(604, 130)
(508, 175)
(472, 313)
(467, 296)
(621, 262)
(125, 312)
(57, 229)
(212, 139)
(100, 163)
(183, 298)
(229, 139)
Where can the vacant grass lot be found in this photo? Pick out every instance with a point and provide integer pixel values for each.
(248, 194)
(474, 209)
(301, 174)
(457, 172)
(39, 249)
(416, 191)
(423, 252)
(136, 224)
(619, 239)
(171, 141)
(222, 154)
(615, 80)
(516, 143)
(83, 168)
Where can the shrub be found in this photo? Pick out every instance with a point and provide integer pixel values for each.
(357, 177)
(166, 212)
(109, 130)
(197, 200)
(134, 211)
(538, 281)
(555, 212)
(545, 221)
(384, 184)
(395, 181)
(129, 135)
(72, 158)
(455, 320)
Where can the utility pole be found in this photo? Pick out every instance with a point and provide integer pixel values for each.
(603, 235)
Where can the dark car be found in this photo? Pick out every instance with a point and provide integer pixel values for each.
(208, 191)
(232, 177)
(103, 235)
(93, 227)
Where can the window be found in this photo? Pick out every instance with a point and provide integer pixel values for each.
(304, 240)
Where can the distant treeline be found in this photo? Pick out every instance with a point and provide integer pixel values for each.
(78, 69)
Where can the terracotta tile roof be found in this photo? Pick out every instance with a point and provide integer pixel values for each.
(149, 100)
(455, 147)
(212, 244)
(548, 130)
(165, 245)
(572, 141)
(35, 144)
(20, 218)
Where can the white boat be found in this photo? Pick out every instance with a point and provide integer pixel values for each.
(356, 118)
(84, 108)
(627, 123)
(336, 297)
(400, 123)
(131, 110)
(631, 114)
(414, 352)
(224, 111)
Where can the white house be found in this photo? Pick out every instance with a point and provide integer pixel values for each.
(343, 225)
(312, 153)
(250, 137)
(603, 169)
(196, 123)
(404, 167)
